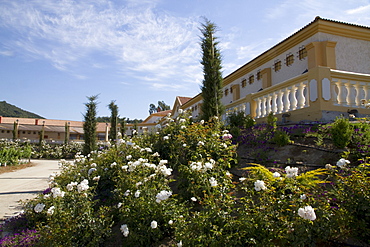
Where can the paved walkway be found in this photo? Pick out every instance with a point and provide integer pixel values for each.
(24, 184)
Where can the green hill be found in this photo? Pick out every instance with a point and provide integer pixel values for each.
(8, 110)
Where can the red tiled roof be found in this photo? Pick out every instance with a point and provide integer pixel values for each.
(183, 100)
(157, 114)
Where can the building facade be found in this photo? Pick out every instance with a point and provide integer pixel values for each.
(320, 72)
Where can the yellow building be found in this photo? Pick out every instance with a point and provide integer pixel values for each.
(320, 72)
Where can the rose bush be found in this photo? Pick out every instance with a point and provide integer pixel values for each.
(176, 185)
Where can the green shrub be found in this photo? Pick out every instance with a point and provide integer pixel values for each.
(176, 184)
(13, 153)
(360, 141)
(350, 196)
(341, 132)
(281, 138)
(239, 119)
(272, 121)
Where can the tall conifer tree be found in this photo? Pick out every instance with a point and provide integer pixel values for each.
(15, 131)
(113, 120)
(67, 132)
(89, 125)
(212, 82)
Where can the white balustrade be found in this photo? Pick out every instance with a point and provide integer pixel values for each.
(349, 93)
(273, 102)
(259, 111)
(366, 89)
(301, 96)
(242, 107)
(293, 100)
(284, 100)
(280, 101)
(264, 113)
(358, 92)
(268, 104)
(341, 92)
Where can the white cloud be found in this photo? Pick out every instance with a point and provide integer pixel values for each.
(307, 10)
(248, 52)
(166, 87)
(7, 53)
(359, 10)
(140, 39)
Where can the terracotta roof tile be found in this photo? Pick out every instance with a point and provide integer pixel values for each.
(183, 100)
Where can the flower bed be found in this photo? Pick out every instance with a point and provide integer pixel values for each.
(176, 183)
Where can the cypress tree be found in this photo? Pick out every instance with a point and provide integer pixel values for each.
(212, 82)
(42, 135)
(66, 137)
(15, 130)
(89, 125)
(113, 120)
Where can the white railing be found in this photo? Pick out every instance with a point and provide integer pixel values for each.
(242, 107)
(349, 93)
(285, 99)
(341, 90)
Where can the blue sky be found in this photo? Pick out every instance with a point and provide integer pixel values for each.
(55, 53)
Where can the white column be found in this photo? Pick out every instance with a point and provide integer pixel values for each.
(306, 94)
(350, 99)
(268, 104)
(341, 97)
(286, 100)
(273, 103)
(366, 89)
(280, 103)
(258, 110)
(358, 94)
(293, 98)
(263, 107)
(301, 96)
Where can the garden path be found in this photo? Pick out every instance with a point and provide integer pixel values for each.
(24, 184)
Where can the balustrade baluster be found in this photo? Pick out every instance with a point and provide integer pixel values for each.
(258, 110)
(358, 94)
(341, 97)
(286, 100)
(280, 104)
(301, 96)
(273, 104)
(306, 95)
(334, 86)
(350, 99)
(263, 106)
(366, 89)
(293, 100)
(268, 104)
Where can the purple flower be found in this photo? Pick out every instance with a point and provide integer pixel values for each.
(47, 191)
